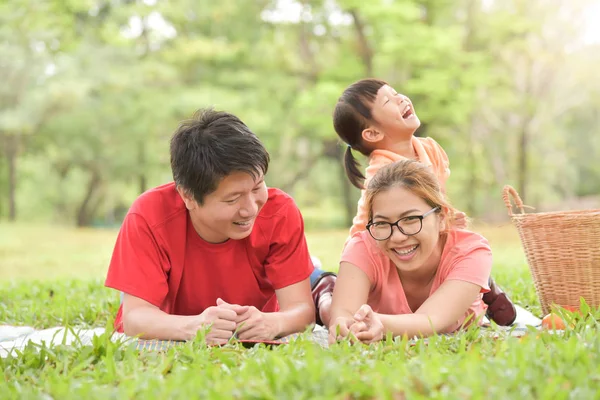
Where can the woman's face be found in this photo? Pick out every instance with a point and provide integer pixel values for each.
(408, 253)
(394, 113)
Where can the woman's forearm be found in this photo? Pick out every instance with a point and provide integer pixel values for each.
(449, 304)
(339, 312)
(412, 324)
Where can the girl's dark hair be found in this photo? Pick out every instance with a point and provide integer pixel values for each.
(210, 146)
(351, 116)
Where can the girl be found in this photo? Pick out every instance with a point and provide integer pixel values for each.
(375, 120)
(411, 272)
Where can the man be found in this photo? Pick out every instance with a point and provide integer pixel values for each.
(215, 248)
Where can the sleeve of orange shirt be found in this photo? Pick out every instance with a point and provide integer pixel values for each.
(474, 267)
(357, 253)
(359, 222)
(471, 260)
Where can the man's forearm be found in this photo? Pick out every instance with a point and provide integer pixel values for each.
(150, 323)
(294, 319)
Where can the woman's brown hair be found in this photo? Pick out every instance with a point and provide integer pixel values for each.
(415, 177)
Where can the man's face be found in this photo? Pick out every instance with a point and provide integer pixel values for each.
(230, 211)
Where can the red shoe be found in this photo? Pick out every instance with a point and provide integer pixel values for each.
(500, 309)
(323, 285)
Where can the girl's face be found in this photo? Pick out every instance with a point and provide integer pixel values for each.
(408, 253)
(394, 113)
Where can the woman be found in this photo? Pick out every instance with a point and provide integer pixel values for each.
(411, 272)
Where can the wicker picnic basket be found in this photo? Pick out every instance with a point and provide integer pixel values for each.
(563, 252)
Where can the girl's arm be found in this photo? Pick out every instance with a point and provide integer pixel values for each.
(444, 308)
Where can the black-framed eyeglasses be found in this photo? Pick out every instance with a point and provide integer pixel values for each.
(409, 226)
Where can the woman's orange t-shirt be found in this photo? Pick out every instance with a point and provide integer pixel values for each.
(466, 256)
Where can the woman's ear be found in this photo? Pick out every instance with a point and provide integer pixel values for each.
(187, 198)
(371, 135)
(442, 222)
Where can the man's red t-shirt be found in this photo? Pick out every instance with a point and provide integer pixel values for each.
(160, 258)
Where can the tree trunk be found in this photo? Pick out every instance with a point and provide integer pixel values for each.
(523, 145)
(473, 180)
(12, 184)
(366, 55)
(84, 214)
(366, 52)
(302, 173)
(332, 150)
(1, 172)
(143, 181)
(347, 189)
(10, 150)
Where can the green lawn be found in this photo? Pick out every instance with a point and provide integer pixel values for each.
(57, 252)
(53, 276)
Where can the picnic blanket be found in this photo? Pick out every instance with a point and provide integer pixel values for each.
(15, 338)
(319, 335)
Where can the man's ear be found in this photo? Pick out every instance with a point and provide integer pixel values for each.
(371, 135)
(187, 198)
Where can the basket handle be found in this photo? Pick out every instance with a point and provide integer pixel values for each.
(506, 195)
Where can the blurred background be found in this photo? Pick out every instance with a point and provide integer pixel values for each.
(91, 90)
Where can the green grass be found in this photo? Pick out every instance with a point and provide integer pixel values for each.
(58, 252)
(53, 276)
(53, 252)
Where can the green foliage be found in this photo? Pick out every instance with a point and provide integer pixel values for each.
(93, 89)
